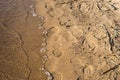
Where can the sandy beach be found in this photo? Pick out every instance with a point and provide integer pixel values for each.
(59, 39)
(82, 43)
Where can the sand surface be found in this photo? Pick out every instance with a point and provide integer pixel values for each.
(20, 41)
(81, 39)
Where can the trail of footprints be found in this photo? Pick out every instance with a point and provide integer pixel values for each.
(79, 47)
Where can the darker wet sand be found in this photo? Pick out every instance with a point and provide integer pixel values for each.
(20, 41)
(83, 40)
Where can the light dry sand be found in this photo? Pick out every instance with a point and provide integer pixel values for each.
(83, 42)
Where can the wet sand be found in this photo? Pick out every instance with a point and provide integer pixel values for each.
(82, 40)
(20, 41)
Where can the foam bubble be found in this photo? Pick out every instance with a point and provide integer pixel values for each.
(50, 77)
(42, 69)
(31, 6)
(43, 50)
(45, 57)
(41, 17)
(34, 14)
(40, 27)
(45, 32)
(44, 44)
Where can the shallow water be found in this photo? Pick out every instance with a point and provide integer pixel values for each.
(20, 41)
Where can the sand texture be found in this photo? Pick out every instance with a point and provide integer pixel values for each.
(84, 38)
(60, 40)
(20, 41)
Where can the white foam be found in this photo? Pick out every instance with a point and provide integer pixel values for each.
(41, 17)
(45, 57)
(40, 27)
(31, 6)
(47, 73)
(44, 44)
(34, 14)
(45, 32)
(43, 50)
